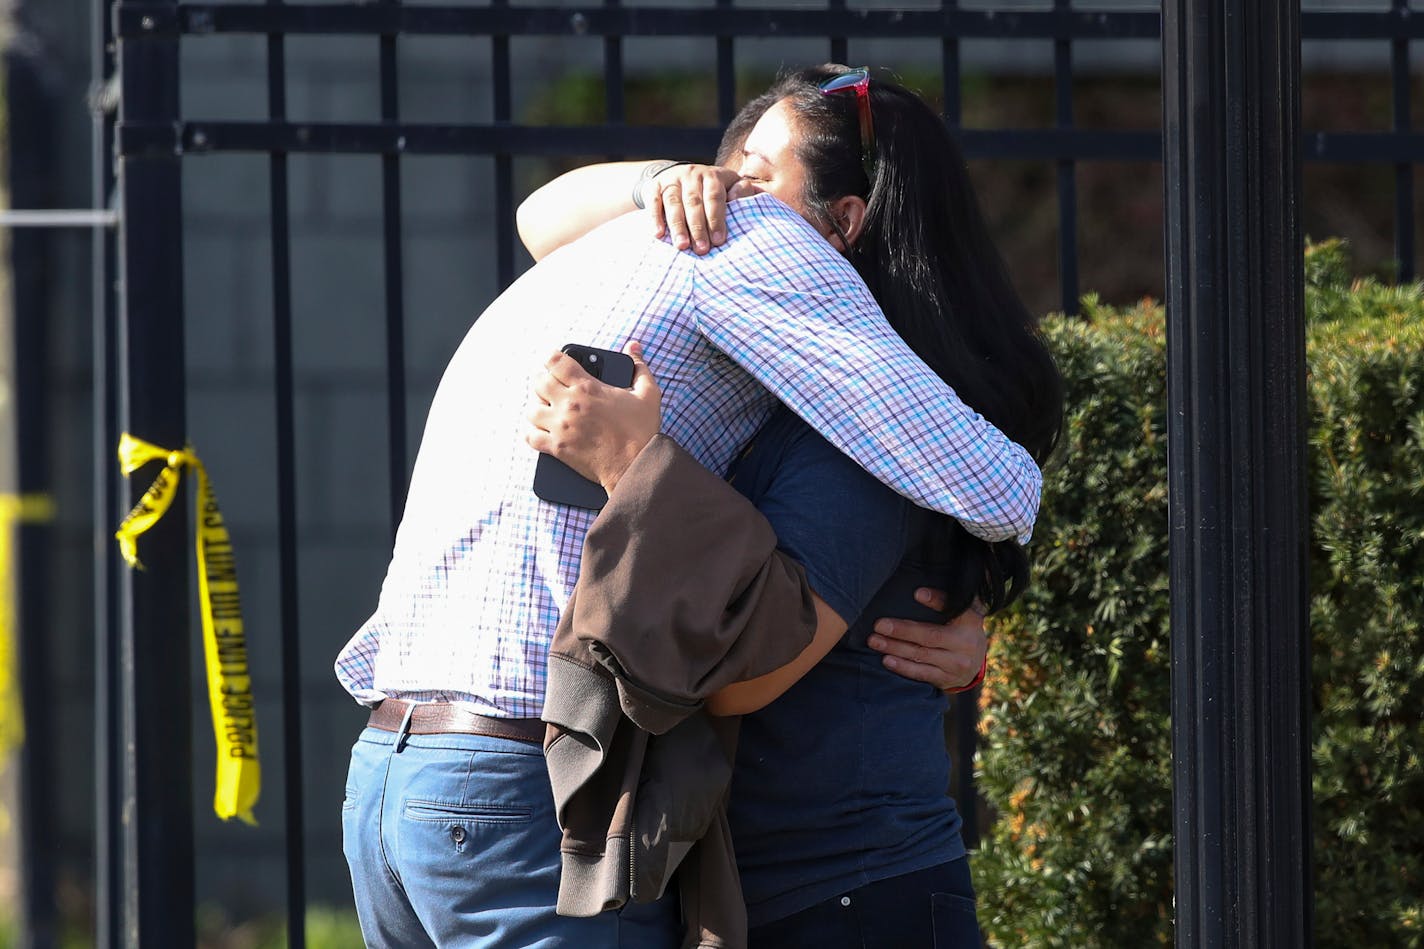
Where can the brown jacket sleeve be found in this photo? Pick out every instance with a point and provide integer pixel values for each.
(682, 590)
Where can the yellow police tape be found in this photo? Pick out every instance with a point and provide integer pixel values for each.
(14, 509)
(239, 777)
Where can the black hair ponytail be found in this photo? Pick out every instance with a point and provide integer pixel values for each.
(926, 255)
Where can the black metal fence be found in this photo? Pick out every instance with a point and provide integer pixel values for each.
(146, 850)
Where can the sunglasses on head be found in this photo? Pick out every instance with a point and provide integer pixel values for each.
(857, 81)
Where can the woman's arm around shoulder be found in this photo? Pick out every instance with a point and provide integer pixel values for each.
(576, 202)
(683, 198)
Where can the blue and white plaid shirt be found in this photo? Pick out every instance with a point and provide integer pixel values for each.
(482, 567)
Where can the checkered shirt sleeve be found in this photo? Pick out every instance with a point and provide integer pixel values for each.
(805, 326)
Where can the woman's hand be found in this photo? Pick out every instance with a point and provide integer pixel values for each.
(690, 203)
(946, 655)
(594, 428)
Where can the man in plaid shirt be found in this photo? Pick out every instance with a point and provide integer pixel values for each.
(449, 827)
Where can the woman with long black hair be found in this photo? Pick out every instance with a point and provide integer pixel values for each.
(843, 831)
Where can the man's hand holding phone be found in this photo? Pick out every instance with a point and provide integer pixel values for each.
(595, 428)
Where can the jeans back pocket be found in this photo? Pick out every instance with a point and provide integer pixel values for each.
(956, 922)
(479, 812)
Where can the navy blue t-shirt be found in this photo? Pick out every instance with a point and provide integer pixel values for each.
(841, 781)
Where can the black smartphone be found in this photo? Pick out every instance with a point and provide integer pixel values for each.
(555, 481)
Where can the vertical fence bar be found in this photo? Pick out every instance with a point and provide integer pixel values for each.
(965, 712)
(1236, 443)
(950, 79)
(503, 165)
(965, 706)
(31, 183)
(839, 47)
(155, 650)
(726, 74)
(395, 283)
(108, 756)
(287, 562)
(1067, 179)
(1404, 171)
(614, 109)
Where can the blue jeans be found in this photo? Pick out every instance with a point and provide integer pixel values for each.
(927, 909)
(451, 841)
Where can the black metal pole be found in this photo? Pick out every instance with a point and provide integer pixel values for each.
(1236, 449)
(154, 624)
(950, 80)
(292, 756)
(503, 173)
(1400, 81)
(614, 105)
(31, 184)
(1067, 170)
(964, 710)
(840, 47)
(393, 222)
(108, 750)
(726, 74)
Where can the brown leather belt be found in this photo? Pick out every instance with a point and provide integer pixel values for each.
(437, 718)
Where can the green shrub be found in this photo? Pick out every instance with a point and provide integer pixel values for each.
(1076, 747)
